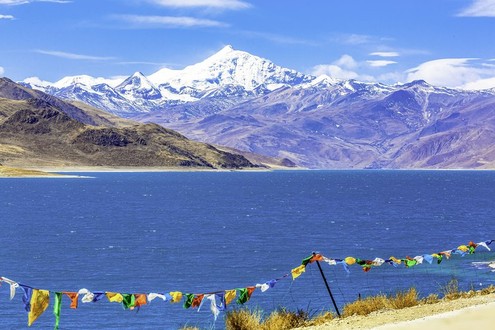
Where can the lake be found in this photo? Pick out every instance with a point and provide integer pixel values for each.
(198, 232)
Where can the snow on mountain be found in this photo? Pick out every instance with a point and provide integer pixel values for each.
(138, 88)
(229, 73)
(226, 78)
(86, 81)
(229, 67)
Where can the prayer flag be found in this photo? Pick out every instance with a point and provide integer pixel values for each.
(26, 297)
(176, 296)
(189, 300)
(114, 297)
(14, 285)
(73, 299)
(40, 300)
(152, 296)
(296, 272)
(140, 300)
(128, 301)
(306, 260)
(197, 300)
(245, 294)
(350, 260)
(57, 306)
(229, 296)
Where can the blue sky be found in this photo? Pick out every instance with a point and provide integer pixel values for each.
(446, 42)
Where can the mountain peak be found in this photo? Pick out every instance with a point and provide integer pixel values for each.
(139, 74)
(225, 50)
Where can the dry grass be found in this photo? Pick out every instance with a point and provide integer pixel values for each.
(380, 302)
(244, 319)
(283, 319)
(19, 172)
(431, 299)
(451, 290)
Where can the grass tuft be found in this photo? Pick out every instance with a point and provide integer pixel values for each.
(284, 319)
(431, 299)
(451, 290)
(381, 302)
(243, 319)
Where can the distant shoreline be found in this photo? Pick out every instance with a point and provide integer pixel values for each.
(59, 171)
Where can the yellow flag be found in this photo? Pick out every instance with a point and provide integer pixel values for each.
(114, 297)
(296, 272)
(176, 296)
(463, 248)
(229, 296)
(395, 260)
(350, 260)
(39, 303)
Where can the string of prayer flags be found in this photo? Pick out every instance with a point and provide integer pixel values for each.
(36, 301)
(366, 265)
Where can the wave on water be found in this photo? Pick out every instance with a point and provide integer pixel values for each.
(484, 265)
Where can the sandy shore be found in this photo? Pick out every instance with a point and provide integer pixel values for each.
(463, 313)
(60, 171)
(90, 169)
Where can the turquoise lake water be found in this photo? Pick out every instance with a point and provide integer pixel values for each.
(203, 232)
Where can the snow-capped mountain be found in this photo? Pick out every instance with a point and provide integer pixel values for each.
(229, 73)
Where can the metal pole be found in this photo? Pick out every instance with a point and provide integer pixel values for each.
(328, 288)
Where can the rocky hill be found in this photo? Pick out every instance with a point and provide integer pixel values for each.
(37, 129)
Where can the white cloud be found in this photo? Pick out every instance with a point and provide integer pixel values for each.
(73, 56)
(218, 4)
(169, 21)
(1, 71)
(343, 68)
(379, 63)
(480, 84)
(23, 2)
(357, 39)
(454, 72)
(346, 61)
(480, 8)
(385, 54)
(6, 17)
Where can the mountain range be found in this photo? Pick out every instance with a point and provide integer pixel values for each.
(242, 101)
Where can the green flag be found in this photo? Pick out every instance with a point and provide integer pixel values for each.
(128, 301)
(57, 307)
(410, 262)
(189, 300)
(306, 261)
